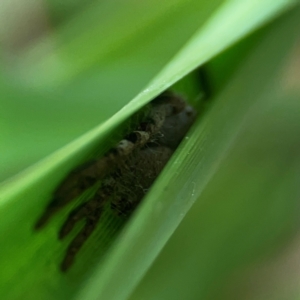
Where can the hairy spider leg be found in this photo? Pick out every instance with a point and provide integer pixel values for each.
(79, 240)
(74, 185)
(84, 210)
(91, 211)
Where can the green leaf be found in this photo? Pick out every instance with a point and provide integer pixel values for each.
(240, 240)
(31, 258)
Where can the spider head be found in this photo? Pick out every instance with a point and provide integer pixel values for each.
(176, 126)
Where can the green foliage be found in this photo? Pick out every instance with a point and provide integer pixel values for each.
(227, 200)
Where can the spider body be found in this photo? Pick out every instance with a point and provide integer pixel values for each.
(127, 171)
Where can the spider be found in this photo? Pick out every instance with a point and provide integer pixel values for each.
(126, 171)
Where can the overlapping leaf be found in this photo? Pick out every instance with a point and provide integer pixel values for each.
(29, 260)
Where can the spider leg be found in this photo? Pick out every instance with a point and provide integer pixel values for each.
(82, 211)
(87, 209)
(91, 211)
(74, 185)
(80, 239)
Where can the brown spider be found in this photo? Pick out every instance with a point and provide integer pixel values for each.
(127, 171)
